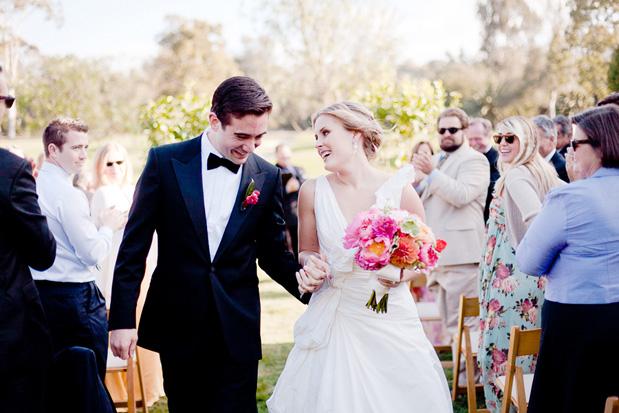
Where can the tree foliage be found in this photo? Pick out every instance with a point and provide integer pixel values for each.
(175, 118)
(613, 72)
(86, 89)
(321, 52)
(192, 57)
(408, 110)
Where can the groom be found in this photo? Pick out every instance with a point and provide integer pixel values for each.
(216, 207)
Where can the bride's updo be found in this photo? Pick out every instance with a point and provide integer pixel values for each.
(356, 118)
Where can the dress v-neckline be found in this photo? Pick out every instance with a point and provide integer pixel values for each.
(338, 208)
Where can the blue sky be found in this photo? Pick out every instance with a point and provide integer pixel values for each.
(125, 31)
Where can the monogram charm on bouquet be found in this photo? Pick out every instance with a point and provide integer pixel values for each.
(387, 242)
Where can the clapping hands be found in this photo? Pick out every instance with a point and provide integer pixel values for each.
(313, 274)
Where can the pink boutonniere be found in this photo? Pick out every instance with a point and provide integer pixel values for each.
(252, 195)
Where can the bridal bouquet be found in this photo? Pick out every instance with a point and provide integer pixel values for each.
(387, 241)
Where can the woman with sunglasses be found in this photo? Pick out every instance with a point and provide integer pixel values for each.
(114, 188)
(575, 241)
(509, 297)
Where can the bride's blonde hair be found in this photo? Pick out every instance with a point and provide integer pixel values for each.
(528, 156)
(356, 118)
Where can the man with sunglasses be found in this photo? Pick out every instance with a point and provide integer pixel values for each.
(548, 145)
(454, 200)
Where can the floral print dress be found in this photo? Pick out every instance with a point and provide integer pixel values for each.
(507, 298)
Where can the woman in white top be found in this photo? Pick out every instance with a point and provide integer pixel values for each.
(113, 183)
(113, 189)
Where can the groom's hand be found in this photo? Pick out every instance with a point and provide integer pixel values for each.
(123, 342)
(313, 274)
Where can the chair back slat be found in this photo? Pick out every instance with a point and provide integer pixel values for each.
(612, 405)
(528, 341)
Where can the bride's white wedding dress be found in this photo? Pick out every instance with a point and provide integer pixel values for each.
(347, 358)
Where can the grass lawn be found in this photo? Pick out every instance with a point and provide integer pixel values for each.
(279, 312)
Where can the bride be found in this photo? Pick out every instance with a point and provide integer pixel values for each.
(347, 358)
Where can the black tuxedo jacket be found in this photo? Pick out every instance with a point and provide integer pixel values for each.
(493, 156)
(558, 161)
(188, 292)
(25, 241)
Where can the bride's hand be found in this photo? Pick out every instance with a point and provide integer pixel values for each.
(307, 284)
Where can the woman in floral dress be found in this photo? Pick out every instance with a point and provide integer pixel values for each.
(507, 296)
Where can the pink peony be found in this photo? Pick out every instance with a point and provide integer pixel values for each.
(384, 228)
(373, 257)
(428, 256)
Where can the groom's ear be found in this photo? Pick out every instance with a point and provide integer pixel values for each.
(214, 121)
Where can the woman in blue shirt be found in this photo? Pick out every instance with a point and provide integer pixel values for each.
(575, 241)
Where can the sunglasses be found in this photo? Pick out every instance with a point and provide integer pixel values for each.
(509, 138)
(110, 164)
(452, 131)
(8, 101)
(575, 144)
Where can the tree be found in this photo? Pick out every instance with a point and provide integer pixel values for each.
(87, 89)
(592, 35)
(192, 57)
(323, 51)
(613, 72)
(13, 48)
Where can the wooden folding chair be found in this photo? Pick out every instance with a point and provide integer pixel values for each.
(612, 405)
(428, 311)
(130, 367)
(521, 343)
(466, 341)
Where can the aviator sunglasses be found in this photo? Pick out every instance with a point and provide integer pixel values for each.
(509, 138)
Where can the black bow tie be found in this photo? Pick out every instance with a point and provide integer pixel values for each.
(215, 161)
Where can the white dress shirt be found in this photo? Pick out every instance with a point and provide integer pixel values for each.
(220, 187)
(550, 155)
(80, 247)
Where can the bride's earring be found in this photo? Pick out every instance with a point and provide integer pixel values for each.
(355, 146)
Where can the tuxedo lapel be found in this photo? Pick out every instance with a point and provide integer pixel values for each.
(189, 177)
(251, 170)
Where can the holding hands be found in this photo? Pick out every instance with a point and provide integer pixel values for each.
(314, 272)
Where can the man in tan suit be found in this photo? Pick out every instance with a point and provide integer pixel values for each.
(454, 200)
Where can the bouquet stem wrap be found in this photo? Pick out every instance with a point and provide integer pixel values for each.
(380, 294)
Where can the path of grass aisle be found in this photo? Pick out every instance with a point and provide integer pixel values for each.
(279, 312)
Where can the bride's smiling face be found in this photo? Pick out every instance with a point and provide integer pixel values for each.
(333, 142)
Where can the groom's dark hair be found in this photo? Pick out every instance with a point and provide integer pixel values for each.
(239, 96)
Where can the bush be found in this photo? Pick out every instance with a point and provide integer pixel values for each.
(175, 118)
(408, 110)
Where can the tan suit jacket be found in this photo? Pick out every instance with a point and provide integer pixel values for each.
(454, 203)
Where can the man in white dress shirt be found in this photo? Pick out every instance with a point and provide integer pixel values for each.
(72, 302)
(217, 209)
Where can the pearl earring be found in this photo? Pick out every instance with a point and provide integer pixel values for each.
(355, 145)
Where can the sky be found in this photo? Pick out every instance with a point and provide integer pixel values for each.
(125, 31)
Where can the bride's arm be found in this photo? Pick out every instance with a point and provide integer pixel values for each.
(308, 238)
(411, 202)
